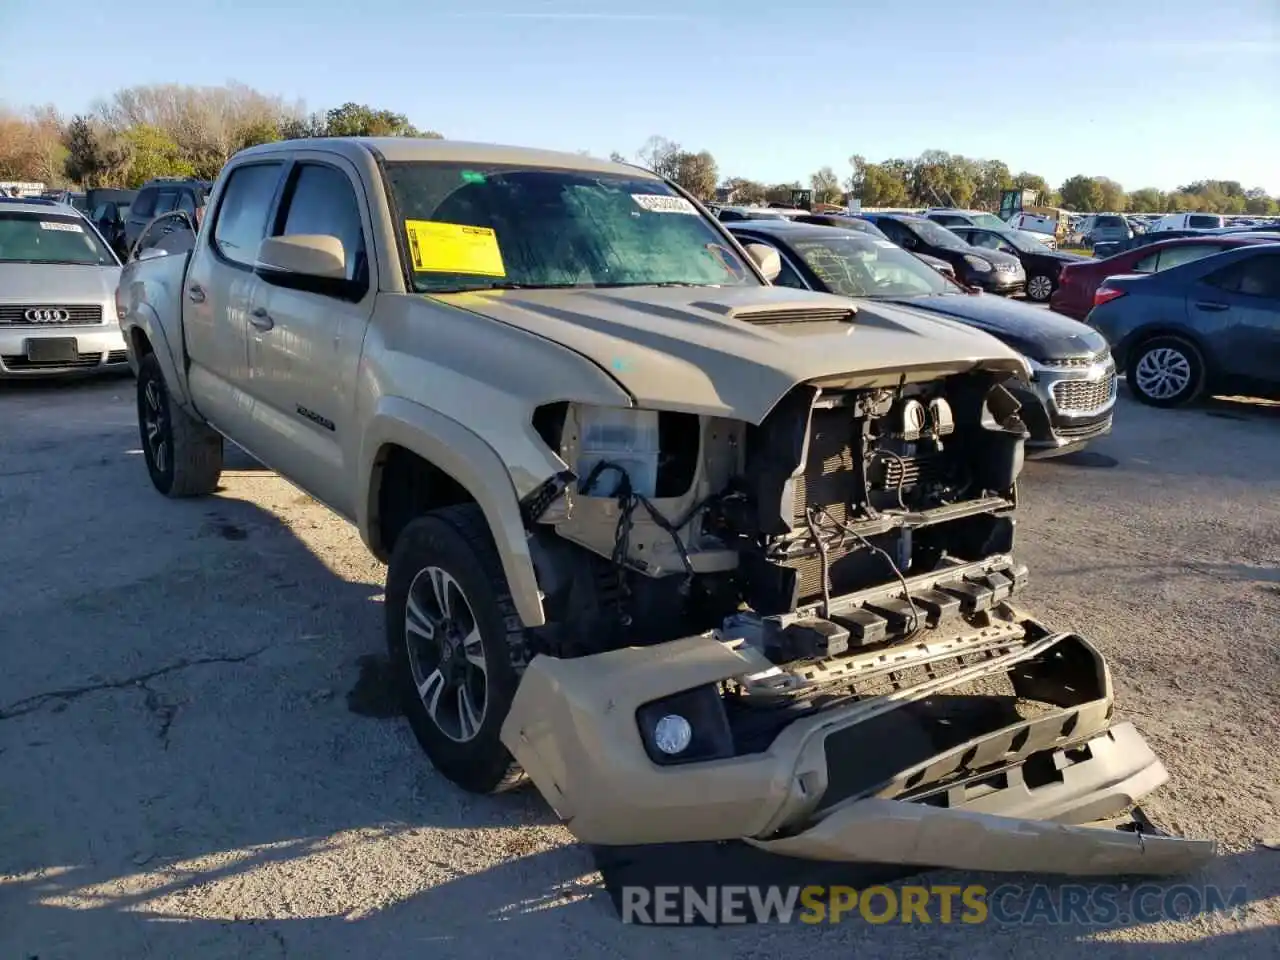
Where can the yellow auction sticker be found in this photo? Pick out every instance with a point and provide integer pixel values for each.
(454, 248)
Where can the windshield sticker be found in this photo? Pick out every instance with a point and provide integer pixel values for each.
(454, 248)
(663, 203)
(884, 243)
(59, 225)
(473, 176)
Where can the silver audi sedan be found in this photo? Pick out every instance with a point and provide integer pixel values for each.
(57, 293)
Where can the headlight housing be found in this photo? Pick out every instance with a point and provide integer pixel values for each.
(687, 727)
(977, 263)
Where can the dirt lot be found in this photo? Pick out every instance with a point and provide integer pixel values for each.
(197, 758)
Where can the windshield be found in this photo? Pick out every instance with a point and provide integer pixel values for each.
(501, 225)
(987, 220)
(50, 238)
(856, 266)
(934, 235)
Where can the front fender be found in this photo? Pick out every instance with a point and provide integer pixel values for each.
(470, 461)
(151, 296)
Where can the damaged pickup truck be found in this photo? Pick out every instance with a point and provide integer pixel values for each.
(703, 558)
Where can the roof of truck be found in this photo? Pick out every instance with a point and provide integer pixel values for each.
(402, 149)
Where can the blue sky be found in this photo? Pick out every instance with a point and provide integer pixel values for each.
(1149, 93)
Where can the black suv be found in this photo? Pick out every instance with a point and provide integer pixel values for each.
(160, 196)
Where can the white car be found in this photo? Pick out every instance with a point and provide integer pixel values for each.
(58, 282)
(1188, 221)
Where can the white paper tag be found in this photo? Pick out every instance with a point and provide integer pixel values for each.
(60, 225)
(884, 243)
(663, 203)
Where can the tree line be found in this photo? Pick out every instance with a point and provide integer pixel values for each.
(938, 178)
(158, 130)
(169, 130)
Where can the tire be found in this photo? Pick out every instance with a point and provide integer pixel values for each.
(183, 455)
(1183, 366)
(1040, 287)
(443, 550)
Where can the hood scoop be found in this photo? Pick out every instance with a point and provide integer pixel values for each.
(772, 315)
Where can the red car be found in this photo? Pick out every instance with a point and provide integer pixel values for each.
(1078, 281)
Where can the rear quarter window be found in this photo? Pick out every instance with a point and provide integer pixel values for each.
(1203, 222)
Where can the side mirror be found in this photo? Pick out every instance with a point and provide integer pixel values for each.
(766, 258)
(307, 255)
(152, 253)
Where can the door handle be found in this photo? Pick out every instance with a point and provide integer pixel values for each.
(1211, 305)
(260, 319)
(195, 293)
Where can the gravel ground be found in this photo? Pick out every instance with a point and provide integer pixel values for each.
(197, 758)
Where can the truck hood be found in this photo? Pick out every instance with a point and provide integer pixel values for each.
(57, 284)
(1038, 334)
(735, 352)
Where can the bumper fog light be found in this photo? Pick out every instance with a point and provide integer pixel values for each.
(672, 734)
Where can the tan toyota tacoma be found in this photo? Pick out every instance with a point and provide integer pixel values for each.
(703, 558)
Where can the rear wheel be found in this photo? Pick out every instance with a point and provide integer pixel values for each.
(183, 455)
(1040, 287)
(456, 645)
(1166, 372)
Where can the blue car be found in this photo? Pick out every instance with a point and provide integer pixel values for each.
(1208, 326)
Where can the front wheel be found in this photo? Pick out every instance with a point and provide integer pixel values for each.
(1165, 372)
(1040, 288)
(183, 455)
(456, 645)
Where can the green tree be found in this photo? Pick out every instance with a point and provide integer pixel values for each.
(257, 132)
(1146, 200)
(1025, 180)
(993, 179)
(1082, 193)
(362, 120)
(826, 186)
(1259, 204)
(153, 154)
(879, 184)
(1113, 196)
(95, 156)
(697, 173)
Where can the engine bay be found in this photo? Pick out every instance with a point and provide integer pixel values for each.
(672, 524)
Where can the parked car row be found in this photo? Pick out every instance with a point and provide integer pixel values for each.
(1071, 397)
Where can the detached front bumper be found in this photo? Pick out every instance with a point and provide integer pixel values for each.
(924, 774)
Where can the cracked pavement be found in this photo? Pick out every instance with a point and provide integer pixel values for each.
(196, 759)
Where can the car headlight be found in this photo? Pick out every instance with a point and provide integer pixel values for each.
(977, 263)
(686, 727)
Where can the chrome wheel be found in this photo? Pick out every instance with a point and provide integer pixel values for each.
(1039, 288)
(155, 424)
(1163, 373)
(446, 654)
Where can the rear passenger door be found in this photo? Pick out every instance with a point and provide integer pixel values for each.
(218, 295)
(305, 337)
(1239, 306)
